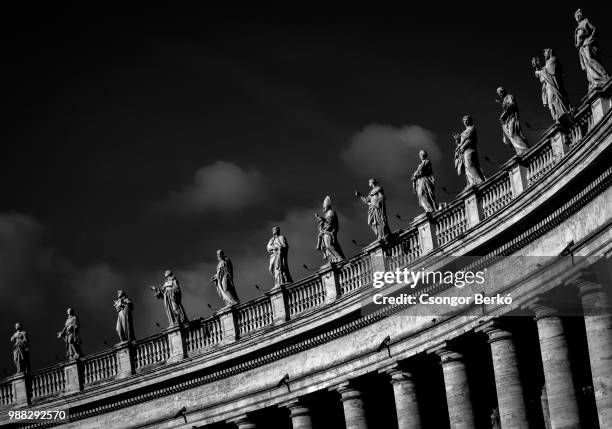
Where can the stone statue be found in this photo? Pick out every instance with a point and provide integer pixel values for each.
(495, 419)
(511, 126)
(377, 211)
(124, 307)
(21, 349)
(278, 247)
(423, 183)
(553, 91)
(586, 40)
(224, 279)
(327, 239)
(171, 293)
(466, 156)
(71, 337)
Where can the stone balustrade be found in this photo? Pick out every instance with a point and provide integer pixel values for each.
(99, 367)
(427, 234)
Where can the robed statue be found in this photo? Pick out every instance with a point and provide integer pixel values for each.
(278, 247)
(170, 292)
(586, 40)
(377, 211)
(423, 183)
(224, 280)
(511, 126)
(21, 349)
(125, 327)
(554, 95)
(71, 336)
(466, 156)
(327, 239)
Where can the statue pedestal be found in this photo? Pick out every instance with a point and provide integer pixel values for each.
(329, 277)
(74, 379)
(21, 391)
(278, 299)
(125, 362)
(176, 340)
(427, 236)
(228, 325)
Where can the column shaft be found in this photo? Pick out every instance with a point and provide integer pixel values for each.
(354, 411)
(562, 403)
(459, 402)
(598, 324)
(300, 415)
(406, 405)
(510, 399)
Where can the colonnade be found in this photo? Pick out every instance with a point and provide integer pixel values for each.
(562, 410)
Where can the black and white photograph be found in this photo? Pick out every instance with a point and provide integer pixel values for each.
(306, 217)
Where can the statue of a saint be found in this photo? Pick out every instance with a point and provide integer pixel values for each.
(466, 156)
(423, 183)
(586, 40)
(495, 419)
(21, 349)
(224, 280)
(171, 293)
(327, 239)
(124, 307)
(278, 247)
(513, 134)
(70, 334)
(554, 95)
(377, 211)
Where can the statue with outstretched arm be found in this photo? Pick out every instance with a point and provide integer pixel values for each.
(170, 292)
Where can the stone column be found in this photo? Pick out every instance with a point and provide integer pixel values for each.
(510, 399)
(406, 405)
(562, 402)
(598, 324)
(242, 422)
(354, 411)
(300, 414)
(459, 402)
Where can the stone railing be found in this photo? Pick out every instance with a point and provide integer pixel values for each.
(425, 235)
(152, 350)
(254, 315)
(451, 223)
(405, 251)
(6, 393)
(496, 195)
(305, 294)
(355, 273)
(99, 367)
(204, 333)
(48, 381)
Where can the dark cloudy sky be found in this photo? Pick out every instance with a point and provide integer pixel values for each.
(139, 138)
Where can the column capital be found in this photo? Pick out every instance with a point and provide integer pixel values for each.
(445, 353)
(494, 331)
(296, 407)
(347, 390)
(585, 280)
(541, 307)
(397, 373)
(242, 422)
